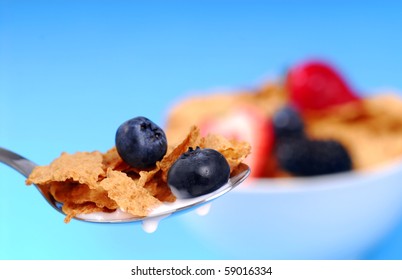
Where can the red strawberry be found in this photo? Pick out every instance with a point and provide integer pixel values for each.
(316, 85)
(245, 124)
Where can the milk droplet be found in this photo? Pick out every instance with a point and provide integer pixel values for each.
(150, 225)
(204, 209)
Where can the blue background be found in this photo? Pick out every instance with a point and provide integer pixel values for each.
(72, 71)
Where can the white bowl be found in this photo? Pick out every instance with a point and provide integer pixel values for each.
(327, 217)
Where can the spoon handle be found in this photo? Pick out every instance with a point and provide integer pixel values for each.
(19, 163)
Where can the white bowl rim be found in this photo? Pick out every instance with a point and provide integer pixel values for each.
(319, 183)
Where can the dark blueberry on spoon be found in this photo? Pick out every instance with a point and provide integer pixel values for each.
(140, 142)
(198, 172)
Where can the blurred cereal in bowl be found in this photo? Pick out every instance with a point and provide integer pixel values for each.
(325, 166)
(302, 115)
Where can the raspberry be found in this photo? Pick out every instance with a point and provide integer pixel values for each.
(316, 85)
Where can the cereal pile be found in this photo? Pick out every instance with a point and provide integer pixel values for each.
(87, 182)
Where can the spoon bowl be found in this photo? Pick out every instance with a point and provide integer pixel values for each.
(25, 167)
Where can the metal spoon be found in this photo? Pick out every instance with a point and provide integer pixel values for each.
(25, 167)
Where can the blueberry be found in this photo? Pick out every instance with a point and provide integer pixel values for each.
(198, 172)
(303, 157)
(140, 142)
(288, 123)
